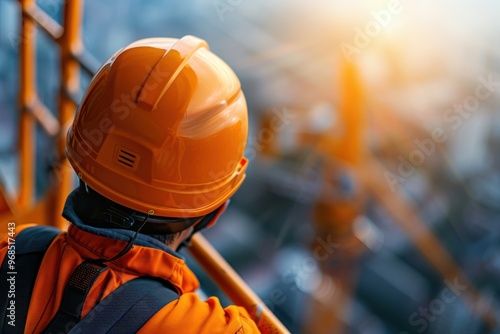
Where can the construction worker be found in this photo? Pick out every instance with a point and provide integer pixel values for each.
(157, 143)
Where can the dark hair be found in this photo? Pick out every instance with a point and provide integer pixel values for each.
(165, 238)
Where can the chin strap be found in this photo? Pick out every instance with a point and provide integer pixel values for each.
(130, 242)
(100, 212)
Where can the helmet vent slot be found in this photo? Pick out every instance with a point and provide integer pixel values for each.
(126, 158)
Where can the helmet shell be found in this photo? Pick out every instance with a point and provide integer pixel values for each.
(162, 129)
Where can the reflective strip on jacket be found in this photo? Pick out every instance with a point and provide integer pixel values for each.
(188, 314)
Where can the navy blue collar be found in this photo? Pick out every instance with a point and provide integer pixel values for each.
(117, 234)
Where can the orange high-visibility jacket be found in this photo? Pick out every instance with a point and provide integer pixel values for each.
(188, 314)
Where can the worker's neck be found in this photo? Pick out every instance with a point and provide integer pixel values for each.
(174, 245)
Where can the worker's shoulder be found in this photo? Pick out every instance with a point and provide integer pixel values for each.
(10, 230)
(9, 235)
(190, 314)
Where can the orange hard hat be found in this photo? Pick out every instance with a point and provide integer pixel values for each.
(162, 129)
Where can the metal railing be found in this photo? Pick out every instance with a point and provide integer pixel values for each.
(33, 111)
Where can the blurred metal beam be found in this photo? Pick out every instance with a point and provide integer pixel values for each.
(44, 21)
(407, 217)
(43, 115)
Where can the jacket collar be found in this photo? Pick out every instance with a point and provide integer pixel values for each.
(148, 256)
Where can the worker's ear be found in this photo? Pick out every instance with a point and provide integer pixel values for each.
(211, 218)
(204, 222)
(218, 213)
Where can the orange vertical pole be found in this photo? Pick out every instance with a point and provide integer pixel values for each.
(27, 94)
(70, 70)
(334, 217)
(350, 145)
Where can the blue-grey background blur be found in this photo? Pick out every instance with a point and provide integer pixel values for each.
(420, 62)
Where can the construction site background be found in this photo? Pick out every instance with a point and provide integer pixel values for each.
(372, 201)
